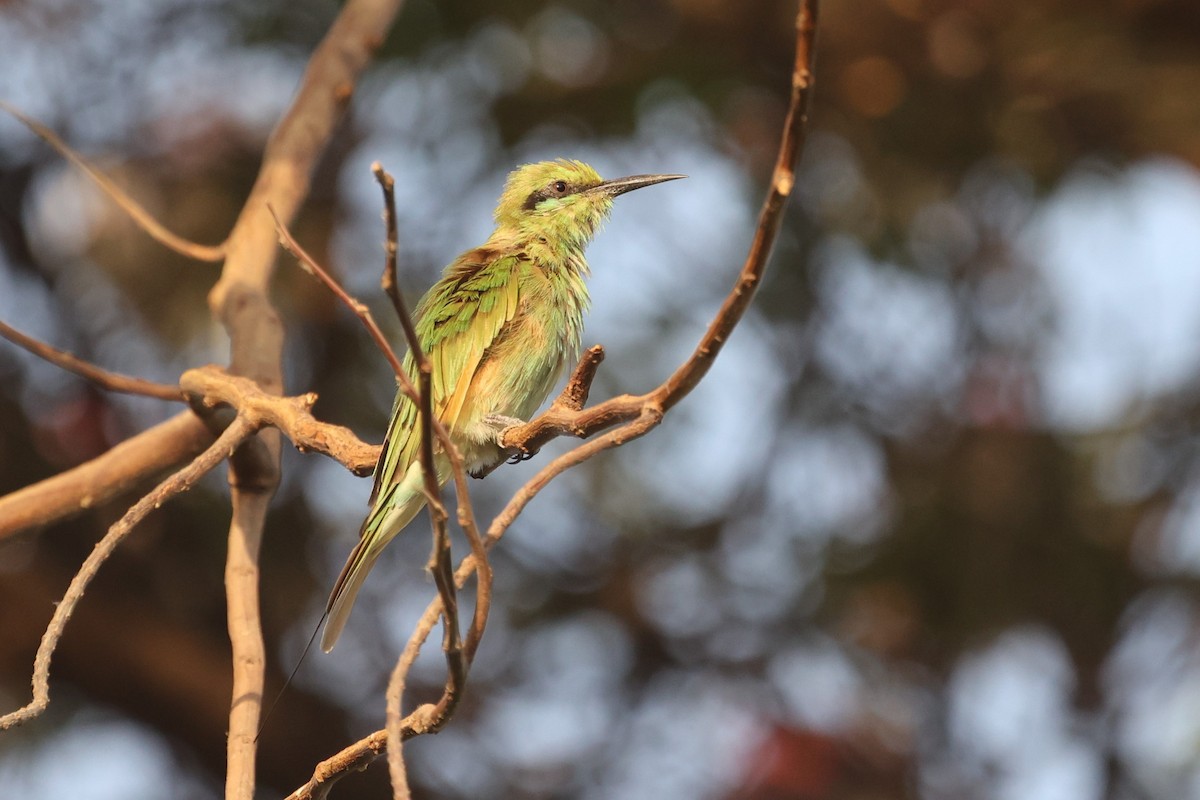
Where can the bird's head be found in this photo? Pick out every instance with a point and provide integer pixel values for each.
(562, 199)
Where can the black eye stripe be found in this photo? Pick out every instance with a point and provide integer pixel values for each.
(554, 189)
(533, 199)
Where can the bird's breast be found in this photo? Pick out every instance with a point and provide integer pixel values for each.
(519, 372)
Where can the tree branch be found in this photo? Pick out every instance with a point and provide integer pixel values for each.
(105, 477)
(180, 482)
(440, 558)
(245, 627)
(112, 381)
(210, 386)
(153, 228)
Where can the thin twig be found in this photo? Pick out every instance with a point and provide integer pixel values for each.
(441, 558)
(783, 180)
(391, 247)
(391, 289)
(393, 727)
(483, 580)
(178, 483)
(310, 265)
(153, 228)
(112, 381)
(420, 359)
(355, 757)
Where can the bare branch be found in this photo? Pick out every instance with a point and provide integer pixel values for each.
(245, 633)
(440, 559)
(391, 288)
(207, 387)
(153, 228)
(360, 310)
(483, 580)
(424, 399)
(783, 180)
(388, 282)
(394, 725)
(575, 394)
(105, 477)
(112, 381)
(178, 483)
(355, 757)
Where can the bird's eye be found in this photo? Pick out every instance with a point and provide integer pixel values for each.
(560, 187)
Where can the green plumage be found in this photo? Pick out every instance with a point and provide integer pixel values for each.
(498, 328)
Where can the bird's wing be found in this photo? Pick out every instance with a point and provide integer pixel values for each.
(457, 321)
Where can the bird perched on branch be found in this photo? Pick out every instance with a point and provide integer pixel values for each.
(498, 330)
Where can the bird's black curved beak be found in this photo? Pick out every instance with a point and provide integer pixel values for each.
(618, 186)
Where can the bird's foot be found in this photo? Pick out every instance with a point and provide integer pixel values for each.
(502, 424)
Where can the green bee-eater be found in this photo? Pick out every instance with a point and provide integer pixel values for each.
(498, 329)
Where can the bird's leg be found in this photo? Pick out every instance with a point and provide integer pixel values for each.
(500, 424)
(490, 430)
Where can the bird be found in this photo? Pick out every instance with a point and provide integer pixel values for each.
(498, 329)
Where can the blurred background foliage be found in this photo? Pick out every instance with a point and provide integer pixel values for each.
(930, 528)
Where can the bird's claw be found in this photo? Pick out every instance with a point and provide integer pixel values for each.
(502, 424)
(521, 455)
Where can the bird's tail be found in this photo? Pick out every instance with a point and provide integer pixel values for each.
(392, 511)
